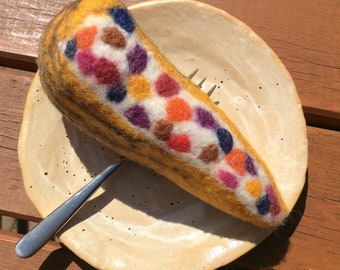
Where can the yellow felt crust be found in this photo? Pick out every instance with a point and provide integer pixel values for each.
(82, 106)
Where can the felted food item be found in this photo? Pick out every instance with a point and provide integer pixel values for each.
(106, 77)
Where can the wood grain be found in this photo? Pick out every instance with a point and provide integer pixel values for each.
(13, 199)
(304, 34)
(51, 256)
(306, 37)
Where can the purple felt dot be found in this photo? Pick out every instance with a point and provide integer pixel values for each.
(137, 116)
(228, 179)
(225, 140)
(250, 167)
(71, 48)
(137, 59)
(117, 93)
(87, 62)
(205, 118)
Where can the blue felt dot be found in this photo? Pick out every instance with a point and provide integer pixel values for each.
(263, 205)
(117, 93)
(225, 140)
(122, 17)
(71, 48)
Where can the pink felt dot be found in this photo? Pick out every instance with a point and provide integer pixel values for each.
(179, 143)
(275, 205)
(166, 86)
(106, 72)
(228, 179)
(86, 62)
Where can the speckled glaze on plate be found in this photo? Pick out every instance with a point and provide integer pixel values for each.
(138, 219)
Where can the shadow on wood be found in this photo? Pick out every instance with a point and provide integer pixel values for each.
(273, 250)
(61, 259)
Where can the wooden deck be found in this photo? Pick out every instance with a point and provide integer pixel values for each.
(306, 37)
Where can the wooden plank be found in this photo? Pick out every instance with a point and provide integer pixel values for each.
(51, 256)
(13, 199)
(304, 34)
(311, 237)
(306, 37)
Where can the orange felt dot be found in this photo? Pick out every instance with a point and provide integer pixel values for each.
(138, 86)
(85, 37)
(178, 110)
(254, 188)
(236, 159)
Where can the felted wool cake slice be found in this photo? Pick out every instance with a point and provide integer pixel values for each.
(102, 73)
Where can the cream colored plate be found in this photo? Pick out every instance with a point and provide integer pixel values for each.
(138, 219)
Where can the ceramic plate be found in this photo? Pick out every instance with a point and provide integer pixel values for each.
(138, 219)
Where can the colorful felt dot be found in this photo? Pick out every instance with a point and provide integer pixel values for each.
(275, 208)
(225, 139)
(236, 159)
(85, 37)
(229, 179)
(138, 116)
(106, 72)
(71, 48)
(178, 110)
(263, 205)
(162, 129)
(254, 188)
(87, 62)
(116, 93)
(113, 37)
(166, 86)
(250, 166)
(209, 153)
(122, 17)
(205, 118)
(139, 86)
(179, 143)
(137, 59)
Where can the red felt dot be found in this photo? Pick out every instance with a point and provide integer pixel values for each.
(106, 72)
(87, 62)
(166, 86)
(179, 143)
